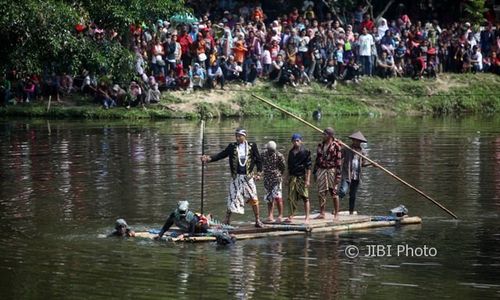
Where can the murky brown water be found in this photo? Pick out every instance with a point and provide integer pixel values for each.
(62, 183)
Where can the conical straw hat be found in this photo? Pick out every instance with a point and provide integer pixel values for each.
(358, 136)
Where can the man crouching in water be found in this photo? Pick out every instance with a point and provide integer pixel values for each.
(186, 220)
(122, 229)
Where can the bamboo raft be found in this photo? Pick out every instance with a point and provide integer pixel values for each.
(247, 230)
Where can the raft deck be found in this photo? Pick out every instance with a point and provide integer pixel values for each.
(344, 222)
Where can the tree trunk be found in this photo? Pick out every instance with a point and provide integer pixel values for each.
(332, 8)
(384, 10)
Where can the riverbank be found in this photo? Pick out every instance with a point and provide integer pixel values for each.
(449, 94)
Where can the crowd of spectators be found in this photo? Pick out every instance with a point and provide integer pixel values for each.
(295, 47)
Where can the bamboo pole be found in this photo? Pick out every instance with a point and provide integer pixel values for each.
(202, 165)
(48, 105)
(361, 155)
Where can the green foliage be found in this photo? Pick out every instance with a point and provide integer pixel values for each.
(474, 11)
(39, 35)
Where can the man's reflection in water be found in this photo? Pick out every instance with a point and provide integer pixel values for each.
(243, 268)
(273, 262)
(328, 265)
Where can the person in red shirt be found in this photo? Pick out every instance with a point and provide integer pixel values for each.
(185, 41)
(367, 23)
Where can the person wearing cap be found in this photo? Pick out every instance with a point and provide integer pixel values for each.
(299, 175)
(243, 157)
(327, 170)
(121, 229)
(273, 164)
(187, 221)
(197, 76)
(351, 169)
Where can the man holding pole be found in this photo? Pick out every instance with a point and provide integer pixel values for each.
(243, 158)
(368, 159)
(327, 171)
(351, 168)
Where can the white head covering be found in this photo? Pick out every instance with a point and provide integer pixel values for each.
(271, 145)
(382, 28)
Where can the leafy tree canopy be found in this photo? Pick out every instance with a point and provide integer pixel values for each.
(39, 36)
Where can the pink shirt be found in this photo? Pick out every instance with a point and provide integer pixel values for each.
(266, 57)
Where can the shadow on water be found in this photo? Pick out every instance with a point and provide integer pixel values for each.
(64, 183)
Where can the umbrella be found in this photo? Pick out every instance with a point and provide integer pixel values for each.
(183, 18)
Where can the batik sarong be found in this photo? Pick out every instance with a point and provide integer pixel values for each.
(241, 189)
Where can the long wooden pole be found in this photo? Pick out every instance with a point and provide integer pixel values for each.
(202, 165)
(360, 154)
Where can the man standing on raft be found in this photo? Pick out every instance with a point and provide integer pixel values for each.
(327, 170)
(243, 158)
(299, 176)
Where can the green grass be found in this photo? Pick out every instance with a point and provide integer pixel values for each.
(450, 94)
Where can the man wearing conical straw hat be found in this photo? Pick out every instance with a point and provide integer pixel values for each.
(351, 169)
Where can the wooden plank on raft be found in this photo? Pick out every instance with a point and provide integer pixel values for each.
(247, 231)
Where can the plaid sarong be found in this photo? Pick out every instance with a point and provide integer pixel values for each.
(326, 182)
(296, 191)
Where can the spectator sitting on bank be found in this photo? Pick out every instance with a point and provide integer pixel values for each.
(66, 84)
(118, 94)
(399, 68)
(385, 66)
(252, 74)
(182, 77)
(303, 77)
(135, 94)
(289, 74)
(492, 63)
(276, 66)
(387, 42)
(88, 83)
(29, 90)
(353, 71)
(170, 81)
(197, 76)
(215, 75)
(233, 70)
(103, 97)
(328, 74)
(432, 63)
(153, 93)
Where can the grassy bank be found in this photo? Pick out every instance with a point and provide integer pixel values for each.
(449, 94)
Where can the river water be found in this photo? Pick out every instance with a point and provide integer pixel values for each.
(62, 183)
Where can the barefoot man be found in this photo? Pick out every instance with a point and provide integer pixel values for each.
(243, 158)
(327, 170)
(299, 174)
(273, 163)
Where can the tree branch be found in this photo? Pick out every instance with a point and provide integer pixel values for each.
(384, 10)
(332, 8)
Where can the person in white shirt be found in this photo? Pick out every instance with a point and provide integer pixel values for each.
(365, 51)
(476, 60)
